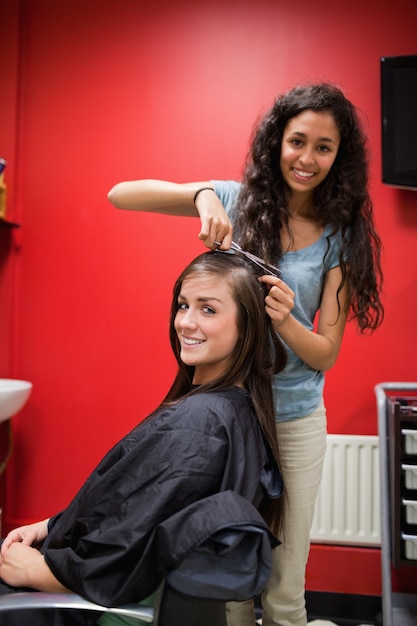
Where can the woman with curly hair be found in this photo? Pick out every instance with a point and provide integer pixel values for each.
(304, 205)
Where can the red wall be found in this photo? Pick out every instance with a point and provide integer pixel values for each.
(100, 91)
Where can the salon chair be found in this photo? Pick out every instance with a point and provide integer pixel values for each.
(172, 609)
(233, 563)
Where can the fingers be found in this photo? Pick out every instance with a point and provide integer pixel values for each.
(10, 538)
(216, 236)
(215, 223)
(226, 241)
(280, 299)
(16, 562)
(274, 281)
(5, 545)
(27, 535)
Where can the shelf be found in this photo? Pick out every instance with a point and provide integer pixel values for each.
(397, 425)
(8, 224)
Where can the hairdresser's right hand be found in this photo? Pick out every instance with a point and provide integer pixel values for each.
(30, 535)
(215, 224)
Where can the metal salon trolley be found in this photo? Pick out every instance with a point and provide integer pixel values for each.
(397, 427)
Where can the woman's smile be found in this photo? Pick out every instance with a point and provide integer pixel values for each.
(309, 148)
(206, 326)
(303, 174)
(188, 341)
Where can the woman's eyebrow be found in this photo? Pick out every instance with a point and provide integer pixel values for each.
(208, 298)
(303, 135)
(200, 298)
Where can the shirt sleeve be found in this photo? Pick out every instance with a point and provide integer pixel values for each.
(227, 191)
(332, 259)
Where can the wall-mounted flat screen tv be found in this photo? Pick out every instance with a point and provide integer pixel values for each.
(399, 120)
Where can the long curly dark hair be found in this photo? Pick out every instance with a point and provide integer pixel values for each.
(342, 199)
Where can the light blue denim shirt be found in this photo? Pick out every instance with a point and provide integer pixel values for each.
(299, 388)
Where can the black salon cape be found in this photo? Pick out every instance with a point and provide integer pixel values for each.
(124, 530)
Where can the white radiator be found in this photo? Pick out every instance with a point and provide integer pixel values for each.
(348, 506)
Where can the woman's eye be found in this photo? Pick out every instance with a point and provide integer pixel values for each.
(182, 306)
(209, 310)
(324, 148)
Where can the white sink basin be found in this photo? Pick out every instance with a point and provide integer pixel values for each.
(13, 396)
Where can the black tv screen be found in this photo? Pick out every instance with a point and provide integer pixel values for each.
(399, 120)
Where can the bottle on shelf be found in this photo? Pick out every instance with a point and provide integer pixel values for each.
(3, 189)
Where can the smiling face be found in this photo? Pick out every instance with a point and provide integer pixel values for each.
(206, 324)
(309, 148)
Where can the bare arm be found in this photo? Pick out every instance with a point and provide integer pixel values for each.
(159, 196)
(318, 349)
(156, 196)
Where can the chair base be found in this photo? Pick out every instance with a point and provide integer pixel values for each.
(177, 609)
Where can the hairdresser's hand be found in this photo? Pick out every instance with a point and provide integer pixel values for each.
(280, 300)
(215, 224)
(30, 535)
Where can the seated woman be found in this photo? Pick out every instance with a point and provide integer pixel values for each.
(214, 433)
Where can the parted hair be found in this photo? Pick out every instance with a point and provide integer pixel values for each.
(258, 355)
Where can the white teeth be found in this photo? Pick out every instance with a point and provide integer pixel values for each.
(191, 342)
(304, 174)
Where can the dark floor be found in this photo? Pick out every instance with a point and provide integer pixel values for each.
(337, 609)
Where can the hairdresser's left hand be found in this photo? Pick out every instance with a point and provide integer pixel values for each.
(317, 347)
(280, 300)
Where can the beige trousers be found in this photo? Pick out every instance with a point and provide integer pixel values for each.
(302, 445)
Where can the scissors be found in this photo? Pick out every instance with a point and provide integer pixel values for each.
(266, 267)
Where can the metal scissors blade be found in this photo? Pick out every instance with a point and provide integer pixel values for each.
(266, 267)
